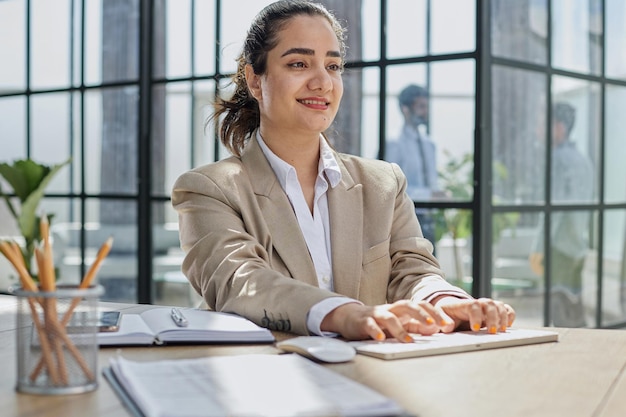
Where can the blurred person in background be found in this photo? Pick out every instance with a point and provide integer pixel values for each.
(572, 182)
(416, 154)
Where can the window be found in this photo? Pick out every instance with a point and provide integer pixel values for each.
(124, 88)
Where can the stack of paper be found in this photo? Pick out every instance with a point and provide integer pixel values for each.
(245, 385)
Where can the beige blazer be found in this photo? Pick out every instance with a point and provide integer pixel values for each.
(245, 252)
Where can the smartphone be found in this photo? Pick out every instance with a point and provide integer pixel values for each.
(109, 321)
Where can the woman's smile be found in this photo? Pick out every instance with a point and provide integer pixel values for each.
(314, 103)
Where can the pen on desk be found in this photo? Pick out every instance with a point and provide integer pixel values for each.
(178, 318)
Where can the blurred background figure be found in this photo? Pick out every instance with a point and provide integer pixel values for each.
(416, 153)
(572, 182)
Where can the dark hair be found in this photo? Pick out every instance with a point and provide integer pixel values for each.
(564, 113)
(410, 93)
(241, 112)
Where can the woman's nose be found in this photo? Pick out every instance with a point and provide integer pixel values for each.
(320, 79)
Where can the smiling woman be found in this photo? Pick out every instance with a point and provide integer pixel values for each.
(288, 231)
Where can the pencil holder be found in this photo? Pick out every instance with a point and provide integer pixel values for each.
(57, 344)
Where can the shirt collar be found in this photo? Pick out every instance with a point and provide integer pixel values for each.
(414, 133)
(327, 164)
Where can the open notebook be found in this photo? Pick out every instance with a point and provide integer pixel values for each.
(156, 326)
(242, 385)
(442, 343)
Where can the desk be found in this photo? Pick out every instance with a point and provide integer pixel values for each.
(584, 374)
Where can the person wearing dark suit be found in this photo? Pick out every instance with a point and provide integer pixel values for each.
(295, 236)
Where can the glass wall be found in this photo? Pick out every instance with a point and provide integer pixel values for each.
(509, 134)
(555, 96)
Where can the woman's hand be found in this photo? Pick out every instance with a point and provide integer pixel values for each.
(357, 322)
(493, 315)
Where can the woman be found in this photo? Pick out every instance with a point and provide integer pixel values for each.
(295, 236)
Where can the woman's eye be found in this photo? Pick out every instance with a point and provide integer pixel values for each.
(335, 67)
(297, 65)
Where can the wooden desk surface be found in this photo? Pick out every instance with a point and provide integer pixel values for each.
(584, 374)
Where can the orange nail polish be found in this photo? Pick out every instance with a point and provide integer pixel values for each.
(503, 328)
(444, 323)
(380, 336)
(493, 330)
(408, 338)
(430, 320)
(476, 327)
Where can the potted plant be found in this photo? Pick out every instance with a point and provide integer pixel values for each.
(28, 179)
(457, 178)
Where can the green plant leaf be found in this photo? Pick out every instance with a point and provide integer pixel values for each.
(33, 171)
(29, 180)
(16, 178)
(27, 219)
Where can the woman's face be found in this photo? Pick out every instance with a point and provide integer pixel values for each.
(302, 87)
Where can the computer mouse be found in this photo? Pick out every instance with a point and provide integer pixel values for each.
(323, 349)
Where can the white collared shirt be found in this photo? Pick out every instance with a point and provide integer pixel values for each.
(315, 226)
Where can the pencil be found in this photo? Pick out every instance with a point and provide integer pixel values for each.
(49, 283)
(89, 276)
(50, 316)
(95, 266)
(12, 252)
(47, 276)
(46, 358)
(85, 283)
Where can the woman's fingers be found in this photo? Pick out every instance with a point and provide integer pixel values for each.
(477, 316)
(497, 316)
(399, 319)
(373, 329)
(390, 322)
(510, 313)
(481, 313)
(404, 317)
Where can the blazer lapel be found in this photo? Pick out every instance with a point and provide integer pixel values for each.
(285, 233)
(345, 203)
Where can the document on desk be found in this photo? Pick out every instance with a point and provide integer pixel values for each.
(441, 343)
(242, 385)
